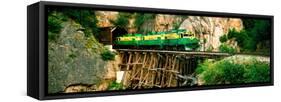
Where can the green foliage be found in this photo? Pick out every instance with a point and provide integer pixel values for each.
(257, 28)
(232, 73)
(115, 86)
(85, 17)
(203, 66)
(177, 23)
(255, 32)
(257, 72)
(226, 48)
(204, 40)
(210, 48)
(140, 18)
(243, 39)
(108, 55)
(223, 38)
(54, 27)
(228, 72)
(222, 72)
(122, 20)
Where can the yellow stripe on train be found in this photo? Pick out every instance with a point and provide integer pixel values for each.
(129, 38)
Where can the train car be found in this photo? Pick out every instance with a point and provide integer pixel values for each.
(170, 40)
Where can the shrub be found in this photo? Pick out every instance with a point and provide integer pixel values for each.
(115, 86)
(122, 20)
(222, 72)
(210, 48)
(223, 38)
(232, 73)
(226, 48)
(257, 72)
(243, 39)
(203, 66)
(228, 72)
(107, 55)
(54, 27)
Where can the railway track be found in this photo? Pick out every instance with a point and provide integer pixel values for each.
(177, 52)
(192, 52)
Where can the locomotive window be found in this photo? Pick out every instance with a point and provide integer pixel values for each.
(186, 35)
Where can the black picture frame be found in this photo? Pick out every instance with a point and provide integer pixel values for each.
(37, 49)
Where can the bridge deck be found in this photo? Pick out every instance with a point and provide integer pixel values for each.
(178, 52)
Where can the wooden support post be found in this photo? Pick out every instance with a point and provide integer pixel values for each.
(153, 73)
(141, 73)
(149, 67)
(164, 72)
(159, 72)
(133, 69)
(171, 74)
(126, 74)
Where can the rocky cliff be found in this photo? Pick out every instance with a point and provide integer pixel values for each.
(104, 18)
(210, 29)
(74, 59)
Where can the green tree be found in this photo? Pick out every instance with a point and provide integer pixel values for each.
(256, 31)
(223, 38)
(54, 26)
(122, 20)
(141, 18)
(85, 17)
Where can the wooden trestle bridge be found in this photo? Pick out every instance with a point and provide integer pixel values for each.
(158, 68)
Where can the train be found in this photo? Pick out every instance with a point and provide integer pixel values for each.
(180, 39)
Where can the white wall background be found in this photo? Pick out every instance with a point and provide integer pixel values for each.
(13, 51)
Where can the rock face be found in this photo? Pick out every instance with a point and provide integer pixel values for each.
(165, 22)
(74, 59)
(211, 29)
(104, 18)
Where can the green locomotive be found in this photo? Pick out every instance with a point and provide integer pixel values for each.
(170, 40)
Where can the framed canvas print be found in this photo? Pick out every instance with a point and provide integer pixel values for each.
(83, 50)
